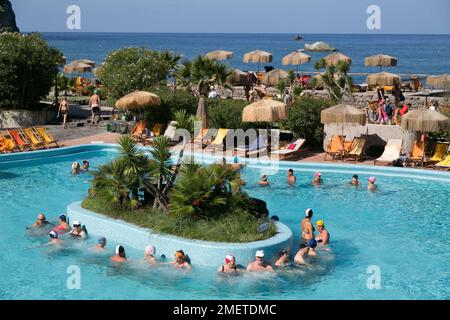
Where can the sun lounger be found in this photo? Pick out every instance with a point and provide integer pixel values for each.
(356, 149)
(418, 153)
(6, 145)
(391, 151)
(47, 138)
(35, 141)
(204, 138)
(290, 150)
(138, 131)
(440, 152)
(335, 147)
(259, 145)
(444, 164)
(218, 141)
(19, 140)
(157, 129)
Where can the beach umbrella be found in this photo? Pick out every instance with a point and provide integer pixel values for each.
(272, 78)
(138, 100)
(265, 110)
(202, 112)
(237, 76)
(77, 67)
(439, 82)
(383, 79)
(296, 58)
(257, 56)
(425, 120)
(380, 60)
(86, 61)
(319, 46)
(344, 114)
(334, 58)
(219, 55)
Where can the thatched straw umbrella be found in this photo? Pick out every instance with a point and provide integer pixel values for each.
(334, 58)
(265, 110)
(380, 60)
(77, 67)
(272, 78)
(237, 76)
(344, 114)
(202, 112)
(383, 79)
(86, 61)
(439, 82)
(319, 46)
(257, 56)
(138, 100)
(219, 55)
(425, 120)
(296, 58)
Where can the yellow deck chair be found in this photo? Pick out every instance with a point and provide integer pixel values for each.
(6, 145)
(418, 153)
(444, 163)
(157, 129)
(47, 138)
(335, 146)
(440, 152)
(357, 149)
(218, 141)
(35, 142)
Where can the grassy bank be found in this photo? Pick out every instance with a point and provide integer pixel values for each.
(237, 226)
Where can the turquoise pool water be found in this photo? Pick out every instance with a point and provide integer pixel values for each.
(403, 228)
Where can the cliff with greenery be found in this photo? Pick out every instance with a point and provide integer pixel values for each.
(7, 17)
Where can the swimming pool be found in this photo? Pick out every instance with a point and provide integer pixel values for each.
(403, 229)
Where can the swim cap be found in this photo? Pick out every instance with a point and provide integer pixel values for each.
(372, 179)
(355, 176)
(63, 217)
(119, 249)
(275, 218)
(317, 174)
(259, 254)
(312, 243)
(150, 250)
(320, 223)
(180, 254)
(76, 223)
(229, 258)
(308, 212)
(101, 240)
(264, 177)
(53, 234)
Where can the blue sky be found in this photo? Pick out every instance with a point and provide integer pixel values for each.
(260, 16)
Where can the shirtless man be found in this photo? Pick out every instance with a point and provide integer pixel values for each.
(317, 179)
(283, 258)
(94, 104)
(54, 239)
(259, 264)
(101, 244)
(41, 221)
(120, 255)
(263, 182)
(64, 111)
(355, 180)
(304, 252)
(291, 178)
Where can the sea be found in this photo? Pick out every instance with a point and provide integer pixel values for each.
(416, 54)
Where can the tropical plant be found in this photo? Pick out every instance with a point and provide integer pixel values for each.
(201, 73)
(184, 120)
(336, 80)
(282, 86)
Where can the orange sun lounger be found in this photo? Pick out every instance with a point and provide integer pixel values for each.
(19, 140)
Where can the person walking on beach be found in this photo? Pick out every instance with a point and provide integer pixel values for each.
(63, 110)
(94, 104)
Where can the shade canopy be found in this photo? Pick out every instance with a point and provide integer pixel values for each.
(425, 120)
(344, 114)
(296, 58)
(265, 110)
(380, 60)
(257, 56)
(138, 100)
(77, 67)
(439, 82)
(334, 58)
(237, 76)
(219, 55)
(202, 112)
(272, 78)
(86, 61)
(383, 79)
(319, 46)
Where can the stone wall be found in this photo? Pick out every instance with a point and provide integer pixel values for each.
(25, 118)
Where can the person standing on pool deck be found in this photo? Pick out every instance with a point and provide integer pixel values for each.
(64, 111)
(259, 264)
(94, 104)
(371, 184)
(291, 178)
(323, 238)
(120, 255)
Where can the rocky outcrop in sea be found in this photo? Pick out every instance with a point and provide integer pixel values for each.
(7, 17)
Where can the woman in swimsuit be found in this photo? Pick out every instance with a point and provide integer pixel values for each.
(64, 111)
(308, 230)
(323, 238)
(180, 261)
(63, 226)
(230, 265)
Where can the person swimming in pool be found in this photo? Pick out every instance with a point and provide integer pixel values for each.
(371, 184)
(75, 168)
(283, 258)
(317, 179)
(230, 265)
(63, 226)
(355, 180)
(323, 237)
(307, 229)
(54, 239)
(259, 264)
(180, 261)
(120, 255)
(304, 251)
(78, 231)
(41, 221)
(101, 244)
(290, 177)
(263, 182)
(149, 255)
(85, 166)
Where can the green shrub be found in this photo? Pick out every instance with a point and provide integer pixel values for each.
(304, 119)
(226, 114)
(27, 69)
